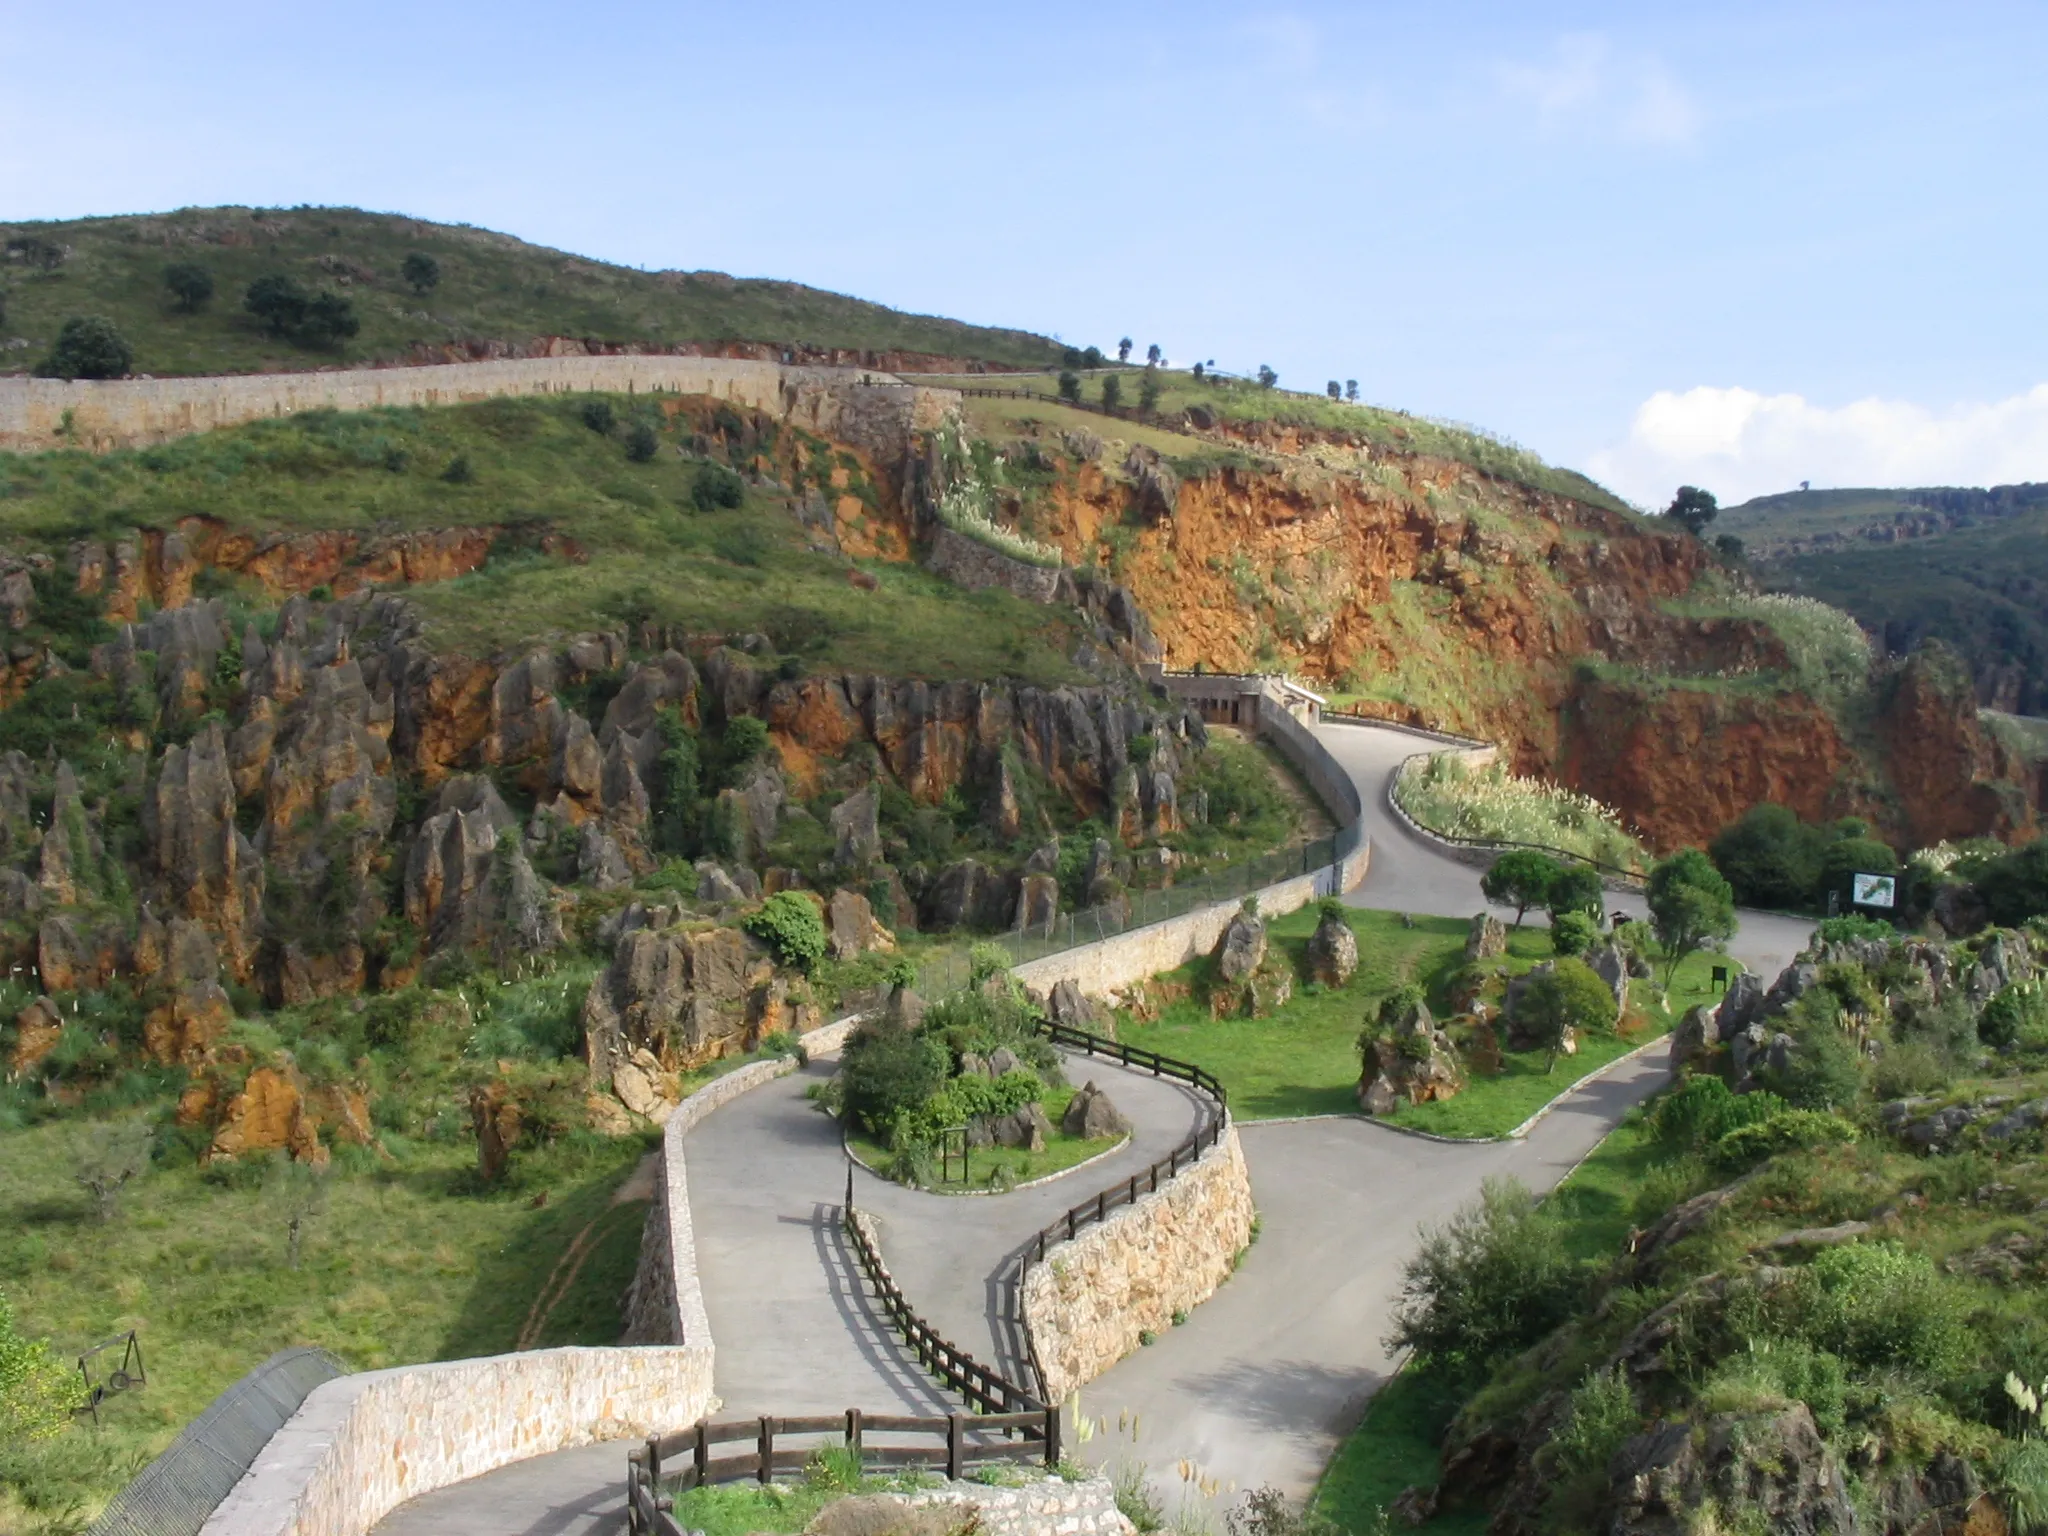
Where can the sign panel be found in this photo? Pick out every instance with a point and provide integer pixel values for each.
(1874, 890)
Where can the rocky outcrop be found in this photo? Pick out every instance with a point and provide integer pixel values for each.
(468, 882)
(684, 995)
(1776, 1464)
(1487, 938)
(850, 926)
(201, 866)
(1091, 1116)
(1332, 953)
(1410, 1061)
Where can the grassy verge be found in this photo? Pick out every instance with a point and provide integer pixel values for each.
(404, 1264)
(997, 1168)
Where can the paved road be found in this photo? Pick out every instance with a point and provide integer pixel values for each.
(1256, 1388)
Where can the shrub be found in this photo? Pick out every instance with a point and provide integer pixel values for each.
(1070, 386)
(420, 271)
(1599, 1416)
(1875, 1304)
(1786, 1131)
(1770, 857)
(1520, 878)
(791, 926)
(1112, 393)
(716, 487)
(887, 1072)
(599, 416)
(1702, 1110)
(1569, 996)
(2016, 1013)
(1485, 1285)
(1332, 909)
(2022, 1473)
(1573, 933)
(1822, 1070)
(189, 283)
(1773, 1374)
(459, 471)
(2015, 885)
(642, 443)
(1853, 928)
(287, 310)
(1691, 906)
(87, 347)
(1575, 888)
(36, 1391)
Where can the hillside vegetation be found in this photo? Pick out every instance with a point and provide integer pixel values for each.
(494, 295)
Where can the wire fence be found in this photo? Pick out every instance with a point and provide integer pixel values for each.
(174, 1495)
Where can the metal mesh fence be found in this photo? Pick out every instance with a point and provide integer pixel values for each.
(174, 1494)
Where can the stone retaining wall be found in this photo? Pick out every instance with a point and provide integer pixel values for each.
(1086, 1306)
(364, 1444)
(1047, 1506)
(133, 413)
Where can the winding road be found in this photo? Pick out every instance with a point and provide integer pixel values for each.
(1256, 1388)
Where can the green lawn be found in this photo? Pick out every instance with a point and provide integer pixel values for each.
(985, 1165)
(1303, 1060)
(405, 1264)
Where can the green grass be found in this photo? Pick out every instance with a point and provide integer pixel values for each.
(985, 1165)
(1303, 1060)
(536, 465)
(492, 287)
(1393, 1448)
(738, 1509)
(405, 1264)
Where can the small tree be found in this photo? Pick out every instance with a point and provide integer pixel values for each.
(1071, 358)
(1351, 390)
(1267, 377)
(642, 444)
(790, 925)
(1572, 933)
(717, 487)
(1123, 350)
(328, 321)
(40, 254)
(1070, 386)
(1569, 997)
(87, 347)
(1574, 888)
(681, 781)
(1694, 508)
(1153, 356)
(1148, 390)
(37, 1393)
(1112, 393)
(1691, 906)
(1520, 878)
(277, 301)
(189, 283)
(1198, 370)
(1729, 548)
(1485, 1285)
(421, 272)
(113, 1155)
(297, 1196)
(599, 416)
(1091, 357)
(1334, 390)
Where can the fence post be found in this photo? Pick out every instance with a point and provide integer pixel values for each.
(853, 1431)
(767, 1449)
(654, 1470)
(700, 1454)
(1052, 1436)
(956, 1427)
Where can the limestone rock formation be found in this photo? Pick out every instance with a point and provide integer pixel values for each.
(680, 993)
(1038, 904)
(851, 927)
(1332, 953)
(1412, 1062)
(1090, 1115)
(1066, 1005)
(1242, 949)
(202, 866)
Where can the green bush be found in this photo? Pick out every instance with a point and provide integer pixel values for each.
(790, 924)
(1599, 1416)
(1771, 1374)
(1823, 1069)
(1573, 933)
(1786, 1131)
(2015, 885)
(963, 1099)
(599, 416)
(87, 347)
(1567, 997)
(887, 1072)
(2022, 1474)
(1878, 1305)
(37, 1393)
(189, 283)
(642, 443)
(2017, 1013)
(1770, 857)
(716, 488)
(1575, 888)
(1853, 928)
(1487, 1284)
(1702, 1110)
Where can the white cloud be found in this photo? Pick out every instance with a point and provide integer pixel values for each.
(1589, 85)
(1738, 444)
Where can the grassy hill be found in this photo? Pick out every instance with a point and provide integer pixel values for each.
(1969, 567)
(493, 289)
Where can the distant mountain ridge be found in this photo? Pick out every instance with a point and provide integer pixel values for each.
(1805, 522)
(494, 295)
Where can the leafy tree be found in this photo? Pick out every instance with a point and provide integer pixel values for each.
(1729, 548)
(1267, 377)
(599, 416)
(888, 1071)
(1575, 888)
(1198, 370)
(1567, 997)
(1520, 878)
(1694, 508)
(1769, 857)
(2015, 885)
(1070, 386)
(189, 283)
(1351, 389)
(1148, 390)
(1573, 933)
(328, 321)
(37, 1393)
(421, 272)
(1091, 357)
(1334, 390)
(717, 487)
(1691, 906)
(1485, 1285)
(87, 347)
(1153, 356)
(1123, 350)
(642, 443)
(745, 739)
(790, 924)
(278, 301)
(1071, 358)
(1112, 393)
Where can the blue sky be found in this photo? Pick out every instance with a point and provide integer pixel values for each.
(1740, 244)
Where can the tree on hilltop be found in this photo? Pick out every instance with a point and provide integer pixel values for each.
(1694, 508)
(87, 347)
(1153, 356)
(1334, 390)
(421, 272)
(189, 283)
(1123, 350)
(1267, 377)
(1091, 357)
(1351, 390)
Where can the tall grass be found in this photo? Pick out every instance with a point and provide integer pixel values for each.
(1492, 805)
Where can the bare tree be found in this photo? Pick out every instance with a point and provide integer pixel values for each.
(114, 1153)
(296, 1194)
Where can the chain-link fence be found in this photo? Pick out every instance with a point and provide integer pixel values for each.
(174, 1495)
